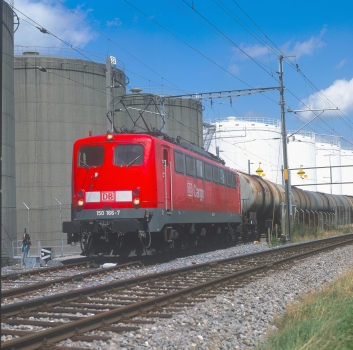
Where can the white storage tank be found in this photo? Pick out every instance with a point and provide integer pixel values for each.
(347, 170)
(328, 155)
(301, 152)
(249, 143)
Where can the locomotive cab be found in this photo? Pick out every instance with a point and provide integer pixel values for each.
(112, 185)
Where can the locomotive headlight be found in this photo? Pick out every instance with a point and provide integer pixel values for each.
(110, 136)
(80, 202)
(136, 202)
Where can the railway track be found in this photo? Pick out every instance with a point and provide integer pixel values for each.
(33, 272)
(28, 283)
(33, 281)
(124, 305)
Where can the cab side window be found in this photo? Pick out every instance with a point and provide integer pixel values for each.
(179, 162)
(229, 178)
(199, 168)
(234, 180)
(208, 172)
(222, 178)
(165, 157)
(190, 166)
(215, 174)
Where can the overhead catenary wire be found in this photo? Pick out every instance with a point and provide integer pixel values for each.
(228, 39)
(45, 70)
(267, 38)
(276, 51)
(119, 46)
(38, 26)
(79, 51)
(296, 67)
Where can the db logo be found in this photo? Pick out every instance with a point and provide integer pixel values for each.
(108, 196)
(190, 189)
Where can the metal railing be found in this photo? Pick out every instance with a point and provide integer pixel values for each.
(64, 52)
(58, 248)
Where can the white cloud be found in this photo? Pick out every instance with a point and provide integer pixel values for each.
(341, 64)
(299, 48)
(114, 23)
(254, 51)
(234, 69)
(55, 18)
(339, 94)
(305, 48)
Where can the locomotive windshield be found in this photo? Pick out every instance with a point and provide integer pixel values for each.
(89, 156)
(128, 155)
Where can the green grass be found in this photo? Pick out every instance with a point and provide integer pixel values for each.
(303, 233)
(321, 321)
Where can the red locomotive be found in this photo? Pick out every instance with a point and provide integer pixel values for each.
(148, 193)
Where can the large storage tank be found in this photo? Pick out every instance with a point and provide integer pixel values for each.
(183, 116)
(58, 99)
(329, 156)
(246, 144)
(301, 152)
(347, 170)
(8, 190)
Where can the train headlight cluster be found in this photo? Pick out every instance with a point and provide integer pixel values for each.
(136, 201)
(80, 198)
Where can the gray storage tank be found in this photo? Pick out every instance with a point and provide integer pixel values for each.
(58, 99)
(183, 116)
(8, 212)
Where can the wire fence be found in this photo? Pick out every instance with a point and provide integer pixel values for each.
(44, 226)
(58, 248)
(46, 220)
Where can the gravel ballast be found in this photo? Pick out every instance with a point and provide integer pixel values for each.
(238, 319)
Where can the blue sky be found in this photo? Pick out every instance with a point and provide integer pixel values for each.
(178, 47)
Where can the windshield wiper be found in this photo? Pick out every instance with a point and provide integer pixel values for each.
(81, 162)
(133, 161)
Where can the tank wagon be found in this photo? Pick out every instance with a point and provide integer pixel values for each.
(262, 206)
(149, 193)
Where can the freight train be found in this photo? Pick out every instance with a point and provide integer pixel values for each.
(149, 193)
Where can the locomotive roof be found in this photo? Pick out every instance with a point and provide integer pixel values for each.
(158, 135)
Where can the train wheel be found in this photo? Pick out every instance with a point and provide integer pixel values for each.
(88, 246)
(125, 244)
(90, 252)
(140, 248)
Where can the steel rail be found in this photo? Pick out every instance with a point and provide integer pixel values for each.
(9, 276)
(104, 319)
(78, 277)
(72, 295)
